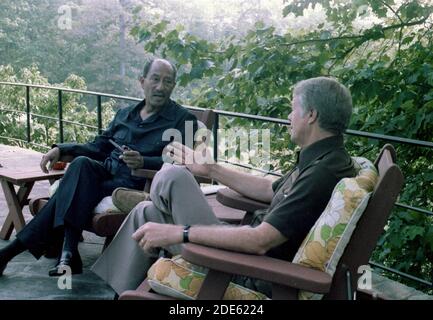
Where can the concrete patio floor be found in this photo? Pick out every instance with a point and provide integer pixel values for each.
(26, 278)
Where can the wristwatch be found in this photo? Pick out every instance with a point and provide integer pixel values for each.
(186, 233)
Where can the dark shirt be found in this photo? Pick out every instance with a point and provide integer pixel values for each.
(145, 136)
(302, 195)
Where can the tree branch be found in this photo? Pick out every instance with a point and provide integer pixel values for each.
(364, 36)
(393, 11)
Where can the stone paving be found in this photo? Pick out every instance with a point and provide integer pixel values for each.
(26, 278)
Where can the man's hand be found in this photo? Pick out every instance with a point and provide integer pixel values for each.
(51, 156)
(199, 162)
(155, 235)
(133, 159)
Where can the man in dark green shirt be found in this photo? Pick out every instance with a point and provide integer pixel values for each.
(321, 110)
(98, 167)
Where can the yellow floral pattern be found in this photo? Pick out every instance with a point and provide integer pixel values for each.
(180, 279)
(325, 243)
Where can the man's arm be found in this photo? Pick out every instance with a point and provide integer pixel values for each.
(200, 162)
(253, 187)
(257, 240)
(98, 149)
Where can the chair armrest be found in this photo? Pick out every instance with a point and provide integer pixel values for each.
(143, 173)
(203, 179)
(66, 158)
(36, 204)
(235, 200)
(150, 174)
(260, 267)
(107, 223)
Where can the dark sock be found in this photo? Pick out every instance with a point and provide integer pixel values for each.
(9, 252)
(72, 237)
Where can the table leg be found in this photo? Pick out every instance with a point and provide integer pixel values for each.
(15, 202)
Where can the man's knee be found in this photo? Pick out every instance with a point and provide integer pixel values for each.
(170, 173)
(81, 161)
(138, 215)
(168, 177)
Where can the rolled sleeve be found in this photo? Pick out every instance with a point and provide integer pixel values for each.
(152, 163)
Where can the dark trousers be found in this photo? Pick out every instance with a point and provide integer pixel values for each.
(84, 185)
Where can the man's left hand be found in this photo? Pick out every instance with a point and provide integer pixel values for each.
(156, 235)
(133, 159)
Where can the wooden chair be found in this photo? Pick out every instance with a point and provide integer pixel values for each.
(288, 278)
(106, 224)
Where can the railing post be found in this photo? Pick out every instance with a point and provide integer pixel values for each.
(215, 137)
(60, 108)
(28, 114)
(99, 113)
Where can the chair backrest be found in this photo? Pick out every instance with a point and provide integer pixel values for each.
(207, 116)
(370, 225)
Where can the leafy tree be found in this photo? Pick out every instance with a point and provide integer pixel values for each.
(96, 45)
(44, 109)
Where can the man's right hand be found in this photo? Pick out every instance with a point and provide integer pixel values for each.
(51, 156)
(198, 161)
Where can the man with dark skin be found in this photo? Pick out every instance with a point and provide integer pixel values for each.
(98, 168)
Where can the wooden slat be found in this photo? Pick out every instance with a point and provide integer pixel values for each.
(18, 176)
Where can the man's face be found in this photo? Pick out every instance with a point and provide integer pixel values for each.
(299, 123)
(158, 84)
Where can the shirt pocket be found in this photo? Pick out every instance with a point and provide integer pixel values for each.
(120, 135)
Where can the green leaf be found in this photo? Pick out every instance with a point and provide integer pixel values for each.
(325, 232)
(137, 9)
(414, 231)
(338, 230)
(144, 35)
(297, 7)
(160, 26)
(412, 10)
(184, 283)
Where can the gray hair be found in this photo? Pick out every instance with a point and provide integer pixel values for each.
(149, 63)
(329, 98)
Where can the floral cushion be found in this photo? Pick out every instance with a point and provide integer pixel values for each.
(180, 279)
(327, 239)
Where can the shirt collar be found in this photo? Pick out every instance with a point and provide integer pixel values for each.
(318, 149)
(166, 112)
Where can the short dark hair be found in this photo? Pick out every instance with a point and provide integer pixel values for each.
(149, 63)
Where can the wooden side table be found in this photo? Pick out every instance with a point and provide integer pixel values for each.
(22, 172)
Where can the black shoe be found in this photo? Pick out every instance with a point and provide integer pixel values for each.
(67, 259)
(53, 251)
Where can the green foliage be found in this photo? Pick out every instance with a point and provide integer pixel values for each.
(94, 47)
(44, 110)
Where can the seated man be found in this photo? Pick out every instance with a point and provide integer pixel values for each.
(99, 168)
(179, 212)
